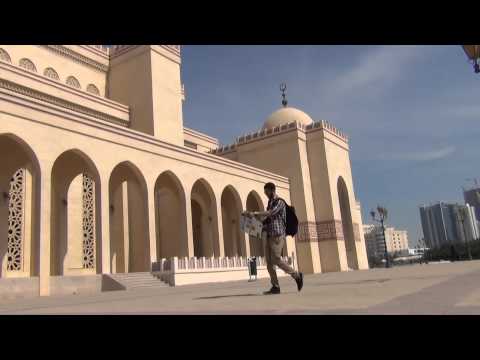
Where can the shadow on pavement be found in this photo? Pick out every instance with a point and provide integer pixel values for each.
(240, 295)
(225, 296)
(378, 281)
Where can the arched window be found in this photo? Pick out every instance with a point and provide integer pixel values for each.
(71, 81)
(27, 64)
(93, 89)
(52, 74)
(4, 56)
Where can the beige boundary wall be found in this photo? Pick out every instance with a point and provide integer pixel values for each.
(177, 272)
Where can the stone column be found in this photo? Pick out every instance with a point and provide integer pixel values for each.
(105, 224)
(28, 236)
(4, 204)
(45, 228)
(188, 217)
(125, 223)
(244, 238)
(152, 223)
(220, 244)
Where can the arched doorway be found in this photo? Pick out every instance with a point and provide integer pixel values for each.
(170, 217)
(254, 203)
(347, 224)
(198, 228)
(233, 237)
(19, 213)
(75, 249)
(129, 230)
(204, 220)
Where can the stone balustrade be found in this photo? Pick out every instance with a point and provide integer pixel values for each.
(207, 263)
(103, 48)
(185, 264)
(264, 133)
(115, 49)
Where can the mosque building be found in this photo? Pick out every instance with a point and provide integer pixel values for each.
(102, 187)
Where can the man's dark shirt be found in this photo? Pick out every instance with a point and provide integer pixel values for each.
(275, 224)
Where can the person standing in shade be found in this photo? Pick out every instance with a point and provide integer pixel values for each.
(453, 254)
(274, 225)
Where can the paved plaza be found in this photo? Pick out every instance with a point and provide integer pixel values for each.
(445, 288)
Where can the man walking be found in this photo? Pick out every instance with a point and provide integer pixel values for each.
(274, 225)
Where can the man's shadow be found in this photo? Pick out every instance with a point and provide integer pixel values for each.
(225, 296)
(238, 295)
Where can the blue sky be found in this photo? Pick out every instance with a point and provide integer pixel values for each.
(411, 112)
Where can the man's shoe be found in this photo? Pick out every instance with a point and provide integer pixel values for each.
(299, 281)
(273, 291)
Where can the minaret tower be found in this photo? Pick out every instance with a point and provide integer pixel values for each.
(147, 79)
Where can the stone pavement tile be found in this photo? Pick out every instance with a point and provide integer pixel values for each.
(437, 299)
(374, 291)
(464, 310)
(237, 298)
(472, 300)
(47, 302)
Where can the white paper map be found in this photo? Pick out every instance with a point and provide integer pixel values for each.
(251, 226)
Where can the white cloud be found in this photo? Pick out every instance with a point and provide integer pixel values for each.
(420, 155)
(465, 111)
(377, 70)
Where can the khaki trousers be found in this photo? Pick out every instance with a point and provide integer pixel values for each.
(273, 256)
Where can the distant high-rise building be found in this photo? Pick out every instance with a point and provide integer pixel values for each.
(397, 240)
(441, 224)
(472, 227)
(472, 197)
(372, 236)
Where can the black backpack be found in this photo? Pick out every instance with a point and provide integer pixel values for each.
(291, 224)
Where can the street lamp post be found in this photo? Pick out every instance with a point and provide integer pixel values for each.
(473, 54)
(382, 216)
(423, 244)
(462, 214)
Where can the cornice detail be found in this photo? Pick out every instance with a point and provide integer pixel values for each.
(8, 85)
(61, 50)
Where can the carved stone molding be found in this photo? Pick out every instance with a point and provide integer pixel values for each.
(4, 56)
(113, 51)
(309, 231)
(8, 85)
(51, 73)
(16, 210)
(88, 258)
(117, 50)
(93, 89)
(104, 49)
(78, 58)
(292, 126)
(73, 82)
(27, 64)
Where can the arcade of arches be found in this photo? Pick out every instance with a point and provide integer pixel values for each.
(19, 209)
(204, 223)
(74, 220)
(110, 181)
(129, 244)
(76, 236)
(254, 203)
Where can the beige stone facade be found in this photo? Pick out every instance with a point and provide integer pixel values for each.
(315, 157)
(100, 176)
